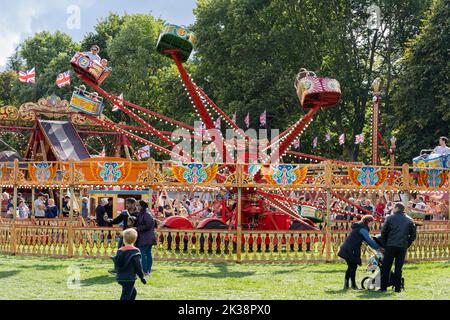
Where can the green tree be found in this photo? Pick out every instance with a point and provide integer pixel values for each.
(105, 30)
(422, 92)
(250, 51)
(50, 55)
(6, 79)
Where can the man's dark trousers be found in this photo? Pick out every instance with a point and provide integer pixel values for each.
(391, 253)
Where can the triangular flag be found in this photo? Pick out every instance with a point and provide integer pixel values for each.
(144, 152)
(263, 118)
(359, 138)
(116, 107)
(342, 139)
(217, 123)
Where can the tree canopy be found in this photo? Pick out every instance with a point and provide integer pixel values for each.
(248, 55)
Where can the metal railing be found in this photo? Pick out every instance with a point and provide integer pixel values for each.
(204, 245)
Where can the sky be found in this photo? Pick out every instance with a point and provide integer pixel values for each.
(20, 19)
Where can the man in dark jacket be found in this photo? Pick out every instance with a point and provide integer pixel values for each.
(128, 264)
(126, 217)
(397, 235)
(100, 213)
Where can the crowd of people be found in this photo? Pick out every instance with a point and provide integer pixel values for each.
(44, 206)
(432, 209)
(185, 206)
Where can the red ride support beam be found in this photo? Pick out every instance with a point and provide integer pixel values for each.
(351, 203)
(306, 203)
(116, 101)
(159, 116)
(384, 144)
(227, 119)
(290, 137)
(314, 157)
(198, 102)
(133, 136)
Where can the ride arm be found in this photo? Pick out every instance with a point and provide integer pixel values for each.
(289, 138)
(365, 234)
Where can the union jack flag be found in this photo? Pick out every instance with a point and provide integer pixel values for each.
(27, 76)
(63, 79)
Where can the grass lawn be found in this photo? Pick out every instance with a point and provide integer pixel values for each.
(47, 278)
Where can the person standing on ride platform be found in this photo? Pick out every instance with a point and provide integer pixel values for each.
(351, 249)
(93, 54)
(442, 147)
(397, 235)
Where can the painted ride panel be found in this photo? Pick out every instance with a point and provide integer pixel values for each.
(433, 160)
(111, 170)
(89, 103)
(179, 38)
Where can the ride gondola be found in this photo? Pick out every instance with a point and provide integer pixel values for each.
(179, 38)
(87, 102)
(314, 91)
(91, 69)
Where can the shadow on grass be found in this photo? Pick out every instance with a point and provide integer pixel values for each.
(7, 274)
(362, 294)
(222, 273)
(328, 271)
(373, 294)
(99, 280)
(42, 267)
(340, 291)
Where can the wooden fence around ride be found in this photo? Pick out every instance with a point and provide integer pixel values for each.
(74, 241)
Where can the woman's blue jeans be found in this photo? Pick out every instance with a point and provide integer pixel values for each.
(146, 258)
